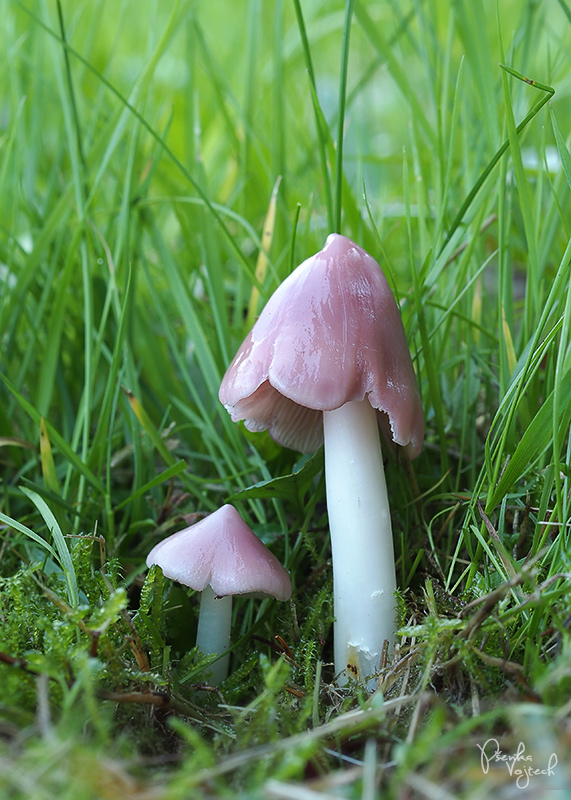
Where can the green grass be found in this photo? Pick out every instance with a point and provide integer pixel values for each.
(140, 147)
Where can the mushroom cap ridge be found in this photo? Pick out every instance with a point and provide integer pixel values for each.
(222, 551)
(330, 334)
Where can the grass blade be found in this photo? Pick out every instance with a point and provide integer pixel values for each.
(341, 115)
(320, 124)
(64, 556)
(21, 528)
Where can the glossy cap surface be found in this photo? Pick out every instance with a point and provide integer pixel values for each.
(330, 334)
(222, 551)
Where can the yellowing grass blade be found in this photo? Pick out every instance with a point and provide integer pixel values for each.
(262, 263)
(510, 352)
(149, 428)
(48, 466)
(524, 412)
(477, 308)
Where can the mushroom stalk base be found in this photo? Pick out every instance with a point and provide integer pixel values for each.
(213, 636)
(361, 541)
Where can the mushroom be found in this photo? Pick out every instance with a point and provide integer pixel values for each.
(326, 361)
(220, 556)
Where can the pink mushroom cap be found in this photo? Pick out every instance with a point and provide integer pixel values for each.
(222, 551)
(331, 333)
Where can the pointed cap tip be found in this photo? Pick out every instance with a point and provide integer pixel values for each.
(221, 550)
(330, 334)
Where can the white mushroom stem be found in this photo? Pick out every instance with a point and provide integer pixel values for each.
(361, 541)
(213, 636)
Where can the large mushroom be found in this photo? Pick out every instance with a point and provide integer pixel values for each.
(220, 556)
(327, 360)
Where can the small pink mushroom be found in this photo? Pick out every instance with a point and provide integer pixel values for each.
(326, 360)
(220, 556)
